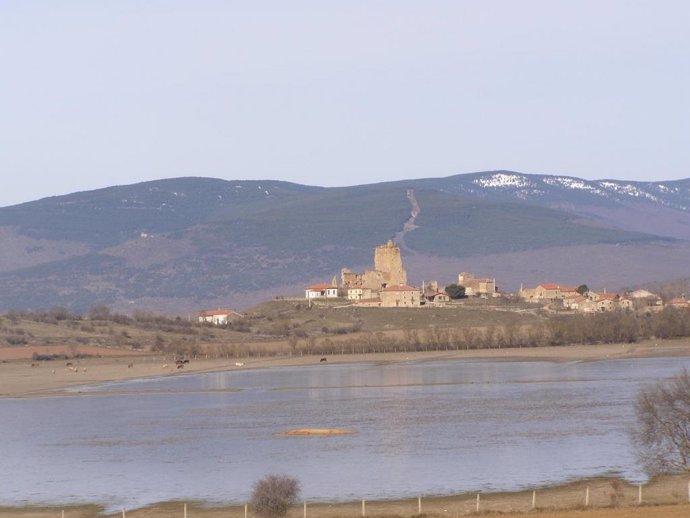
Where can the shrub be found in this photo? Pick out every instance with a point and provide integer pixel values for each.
(273, 495)
(663, 426)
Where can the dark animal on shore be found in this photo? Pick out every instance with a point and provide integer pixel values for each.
(69, 364)
(179, 362)
(185, 361)
(323, 360)
(34, 365)
(130, 366)
(180, 366)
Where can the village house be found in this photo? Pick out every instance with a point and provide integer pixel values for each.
(477, 286)
(607, 301)
(679, 302)
(626, 304)
(546, 292)
(645, 298)
(321, 291)
(400, 296)
(436, 298)
(579, 303)
(360, 293)
(218, 317)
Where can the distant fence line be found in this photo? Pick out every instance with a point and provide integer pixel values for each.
(583, 495)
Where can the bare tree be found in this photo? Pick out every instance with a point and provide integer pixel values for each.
(662, 435)
(273, 495)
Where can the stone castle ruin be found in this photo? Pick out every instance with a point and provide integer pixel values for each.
(388, 270)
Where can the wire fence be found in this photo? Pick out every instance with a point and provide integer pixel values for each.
(592, 494)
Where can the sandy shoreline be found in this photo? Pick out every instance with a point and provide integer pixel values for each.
(662, 498)
(18, 378)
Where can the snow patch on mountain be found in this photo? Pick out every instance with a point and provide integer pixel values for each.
(501, 180)
(573, 183)
(629, 190)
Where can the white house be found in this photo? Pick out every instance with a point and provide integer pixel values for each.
(218, 317)
(321, 291)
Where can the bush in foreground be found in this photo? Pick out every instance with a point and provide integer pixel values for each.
(663, 426)
(273, 495)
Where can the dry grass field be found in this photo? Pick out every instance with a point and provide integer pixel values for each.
(267, 328)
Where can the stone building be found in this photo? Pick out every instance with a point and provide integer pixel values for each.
(388, 271)
(400, 296)
(477, 286)
(546, 292)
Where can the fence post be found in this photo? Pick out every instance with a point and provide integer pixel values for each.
(245, 510)
(364, 508)
(123, 513)
(63, 512)
(477, 502)
(587, 497)
(534, 499)
(185, 511)
(639, 494)
(419, 503)
(305, 509)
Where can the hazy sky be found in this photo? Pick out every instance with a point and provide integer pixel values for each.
(97, 93)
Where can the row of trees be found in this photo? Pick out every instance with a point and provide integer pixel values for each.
(609, 327)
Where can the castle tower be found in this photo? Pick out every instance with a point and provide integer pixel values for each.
(388, 261)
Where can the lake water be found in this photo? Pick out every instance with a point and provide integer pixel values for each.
(422, 428)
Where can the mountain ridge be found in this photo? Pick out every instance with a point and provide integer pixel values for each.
(207, 242)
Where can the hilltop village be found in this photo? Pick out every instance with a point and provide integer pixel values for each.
(386, 286)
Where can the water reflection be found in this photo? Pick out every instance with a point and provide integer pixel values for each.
(422, 428)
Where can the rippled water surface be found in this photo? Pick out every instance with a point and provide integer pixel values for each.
(421, 428)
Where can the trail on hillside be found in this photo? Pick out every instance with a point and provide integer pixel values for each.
(410, 224)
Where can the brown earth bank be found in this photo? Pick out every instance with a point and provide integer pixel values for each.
(608, 498)
(25, 378)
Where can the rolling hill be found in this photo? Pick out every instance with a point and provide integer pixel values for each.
(182, 244)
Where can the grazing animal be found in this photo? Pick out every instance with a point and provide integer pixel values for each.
(179, 362)
(69, 364)
(165, 366)
(323, 360)
(130, 366)
(239, 364)
(34, 365)
(185, 361)
(180, 366)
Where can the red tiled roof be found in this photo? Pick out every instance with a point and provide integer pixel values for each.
(400, 287)
(319, 287)
(678, 300)
(550, 286)
(608, 296)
